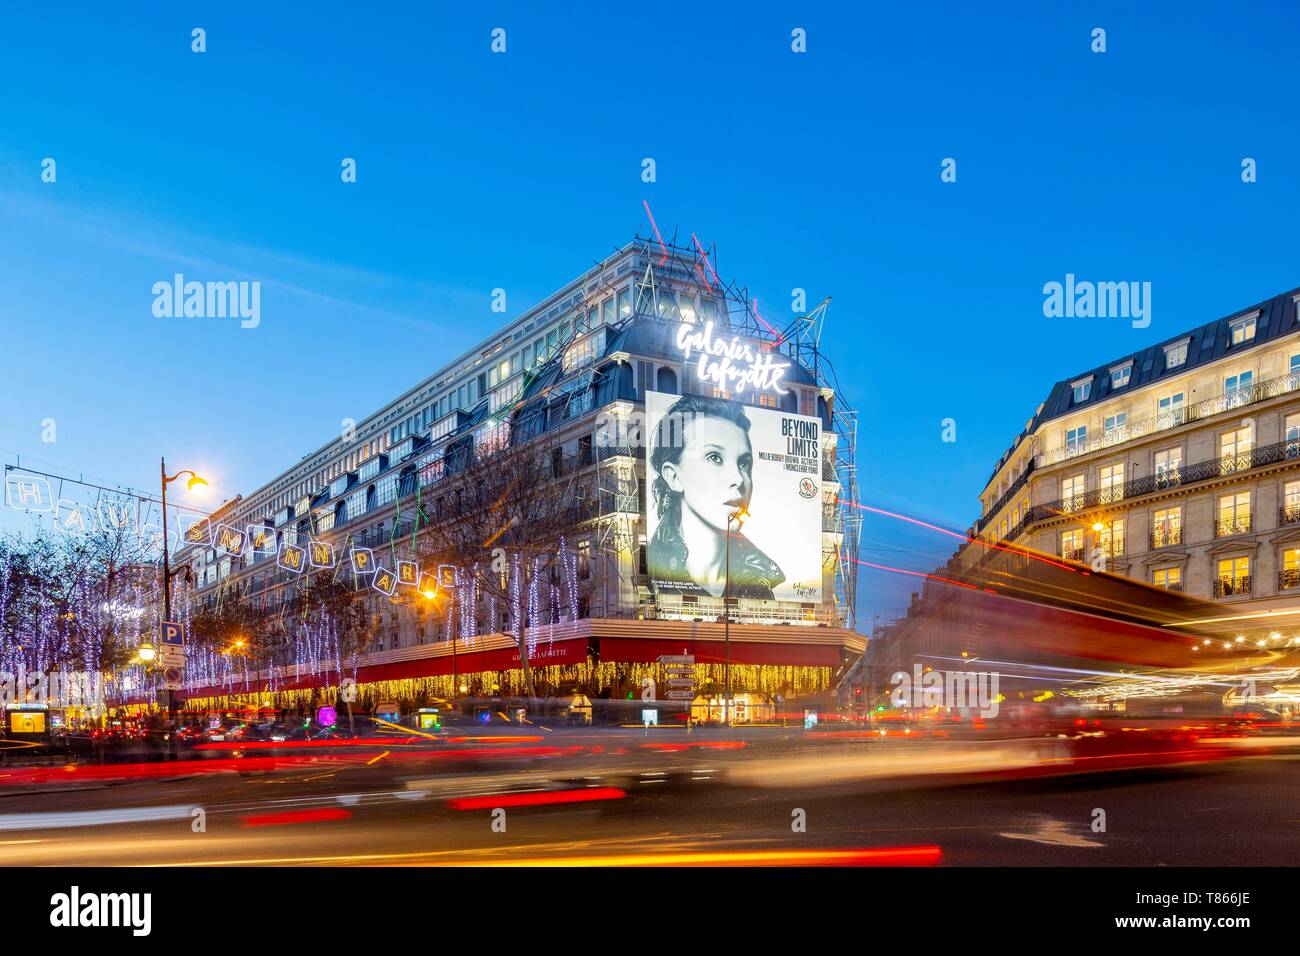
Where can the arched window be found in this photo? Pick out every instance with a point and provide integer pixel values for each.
(666, 380)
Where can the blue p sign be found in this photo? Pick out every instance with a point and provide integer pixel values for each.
(173, 633)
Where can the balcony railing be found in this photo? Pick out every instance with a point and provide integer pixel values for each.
(1288, 578)
(1006, 497)
(1229, 526)
(1186, 475)
(1166, 537)
(1172, 586)
(1190, 413)
(1073, 554)
(1288, 514)
(1226, 587)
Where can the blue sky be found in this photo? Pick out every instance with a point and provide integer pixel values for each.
(818, 170)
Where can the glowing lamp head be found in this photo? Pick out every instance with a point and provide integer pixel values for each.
(1098, 527)
(147, 652)
(197, 485)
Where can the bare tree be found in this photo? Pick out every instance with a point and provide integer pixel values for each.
(503, 520)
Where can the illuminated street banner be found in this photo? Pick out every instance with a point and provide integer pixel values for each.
(196, 529)
(428, 584)
(73, 517)
(385, 581)
(447, 575)
(229, 540)
(710, 458)
(363, 560)
(292, 558)
(407, 573)
(262, 539)
(322, 554)
(28, 493)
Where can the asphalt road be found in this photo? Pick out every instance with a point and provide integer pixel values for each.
(661, 803)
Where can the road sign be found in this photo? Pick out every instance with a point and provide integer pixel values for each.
(173, 633)
(680, 695)
(676, 658)
(171, 656)
(172, 678)
(684, 682)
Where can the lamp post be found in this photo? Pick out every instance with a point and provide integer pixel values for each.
(196, 484)
(738, 517)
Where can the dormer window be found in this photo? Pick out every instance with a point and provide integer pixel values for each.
(1082, 389)
(1176, 354)
(1120, 375)
(1242, 330)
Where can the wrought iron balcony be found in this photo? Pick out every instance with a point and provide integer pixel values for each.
(1130, 431)
(1228, 526)
(1288, 578)
(1166, 537)
(1185, 476)
(1288, 514)
(1074, 554)
(1226, 587)
(1175, 586)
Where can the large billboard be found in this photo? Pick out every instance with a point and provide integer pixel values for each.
(712, 458)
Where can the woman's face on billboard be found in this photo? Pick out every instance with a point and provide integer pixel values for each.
(715, 474)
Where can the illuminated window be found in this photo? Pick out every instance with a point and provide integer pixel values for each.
(1111, 482)
(1169, 410)
(1234, 577)
(1168, 467)
(1292, 434)
(1290, 502)
(1234, 514)
(1076, 439)
(1167, 527)
(1072, 490)
(1119, 377)
(1234, 450)
(1114, 426)
(1176, 354)
(1110, 539)
(1243, 330)
(1169, 578)
(1072, 544)
(1289, 577)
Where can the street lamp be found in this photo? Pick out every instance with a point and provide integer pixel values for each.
(738, 517)
(432, 597)
(196, 485)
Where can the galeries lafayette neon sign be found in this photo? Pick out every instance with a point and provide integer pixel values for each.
(734, 364)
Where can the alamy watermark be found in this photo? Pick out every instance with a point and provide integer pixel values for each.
(55, 689)
(1084, 299)
(973, 690)
(210, 300)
